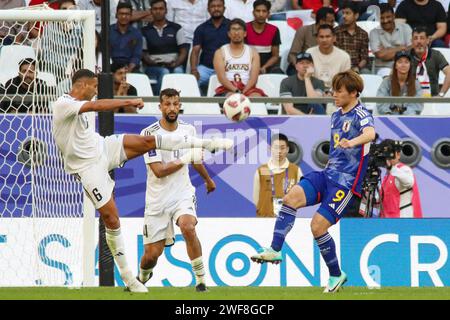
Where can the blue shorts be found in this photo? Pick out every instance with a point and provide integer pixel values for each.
(334, 199)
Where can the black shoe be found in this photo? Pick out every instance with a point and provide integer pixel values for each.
(201, 287)
(151, 275)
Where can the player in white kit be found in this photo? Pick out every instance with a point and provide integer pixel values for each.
(170, 196)
(89, 156)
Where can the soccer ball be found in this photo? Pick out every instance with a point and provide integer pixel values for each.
(237, 107)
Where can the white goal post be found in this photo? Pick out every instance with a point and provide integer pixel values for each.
(47, 224)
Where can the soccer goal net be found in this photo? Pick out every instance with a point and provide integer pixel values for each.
(46, 228)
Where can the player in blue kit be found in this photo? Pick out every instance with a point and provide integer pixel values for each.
(352, 130)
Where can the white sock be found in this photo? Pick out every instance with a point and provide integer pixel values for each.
(199, 270)
(176, 142)
(144, 274)
(116, 245)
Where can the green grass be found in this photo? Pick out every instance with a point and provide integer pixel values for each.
(224, 293)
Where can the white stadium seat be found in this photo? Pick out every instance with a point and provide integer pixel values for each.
(212, 85)
(368, 26)
(10, 56)
(270, 84)
(142, 84)
(48, 77)
(371, 84)
(201, 108)
(188, 87)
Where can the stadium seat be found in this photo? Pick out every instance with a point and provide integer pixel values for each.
(435, 109)
(371, 84)
(10, 56)
(259, 109)
(144, 89)
(48, 77)
(368, 26)
(284, 59)
(188, 87)
(446, 53)
(270, 84)
(212, 85)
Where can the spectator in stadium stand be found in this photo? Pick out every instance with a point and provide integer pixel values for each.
(352, 39)
(306, 36)
(239, 9)
(361, 6)
(428, 62)
(302, 84)
(237, 64)
(402, 82)
(121, 86)
(96, 5)
(429, 13)
(166, 46)
(125, 40)
(25, 83)
(329, 60)
(265, 38)
(208, 37)
(274, 179)
(189, 14)
(141, 15)
(9, 31)
(388, 39)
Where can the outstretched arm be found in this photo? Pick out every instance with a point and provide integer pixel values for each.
(110, 105)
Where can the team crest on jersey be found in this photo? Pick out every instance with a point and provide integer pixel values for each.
(346, 125)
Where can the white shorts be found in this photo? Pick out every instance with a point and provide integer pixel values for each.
(96, 180)
(158, 225)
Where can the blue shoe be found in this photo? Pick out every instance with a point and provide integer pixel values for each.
(267, 255)
(335, 283)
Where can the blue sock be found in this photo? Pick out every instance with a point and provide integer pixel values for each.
(285, 222)
(328, 252)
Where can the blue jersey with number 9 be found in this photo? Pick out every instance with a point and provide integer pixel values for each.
(347, 167)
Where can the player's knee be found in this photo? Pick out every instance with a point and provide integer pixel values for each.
(188, 230)
(317, 228)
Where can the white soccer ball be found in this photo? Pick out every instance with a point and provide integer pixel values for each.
(237, 107)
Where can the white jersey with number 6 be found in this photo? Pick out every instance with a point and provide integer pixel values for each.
(80, 145)
(162, 192)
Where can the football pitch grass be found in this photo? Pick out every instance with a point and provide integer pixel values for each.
(225, 293)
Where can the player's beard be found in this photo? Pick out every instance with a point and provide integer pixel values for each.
(171, 120)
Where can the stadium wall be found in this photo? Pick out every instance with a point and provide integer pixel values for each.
(233, 174)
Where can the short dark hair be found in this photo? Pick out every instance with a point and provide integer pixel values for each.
(385, 7)
(29, 61)
(351, 5)
(262, 3)
(420, 29)
(350, 80)
(82, 73)
(238, 21)
(322, 13)
(169, 92)
(124, 5)
(325, 27)
(152, 2)
(210, 1)
(117, 66)
(279, 136)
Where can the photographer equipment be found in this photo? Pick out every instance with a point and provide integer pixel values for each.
(378, 155)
